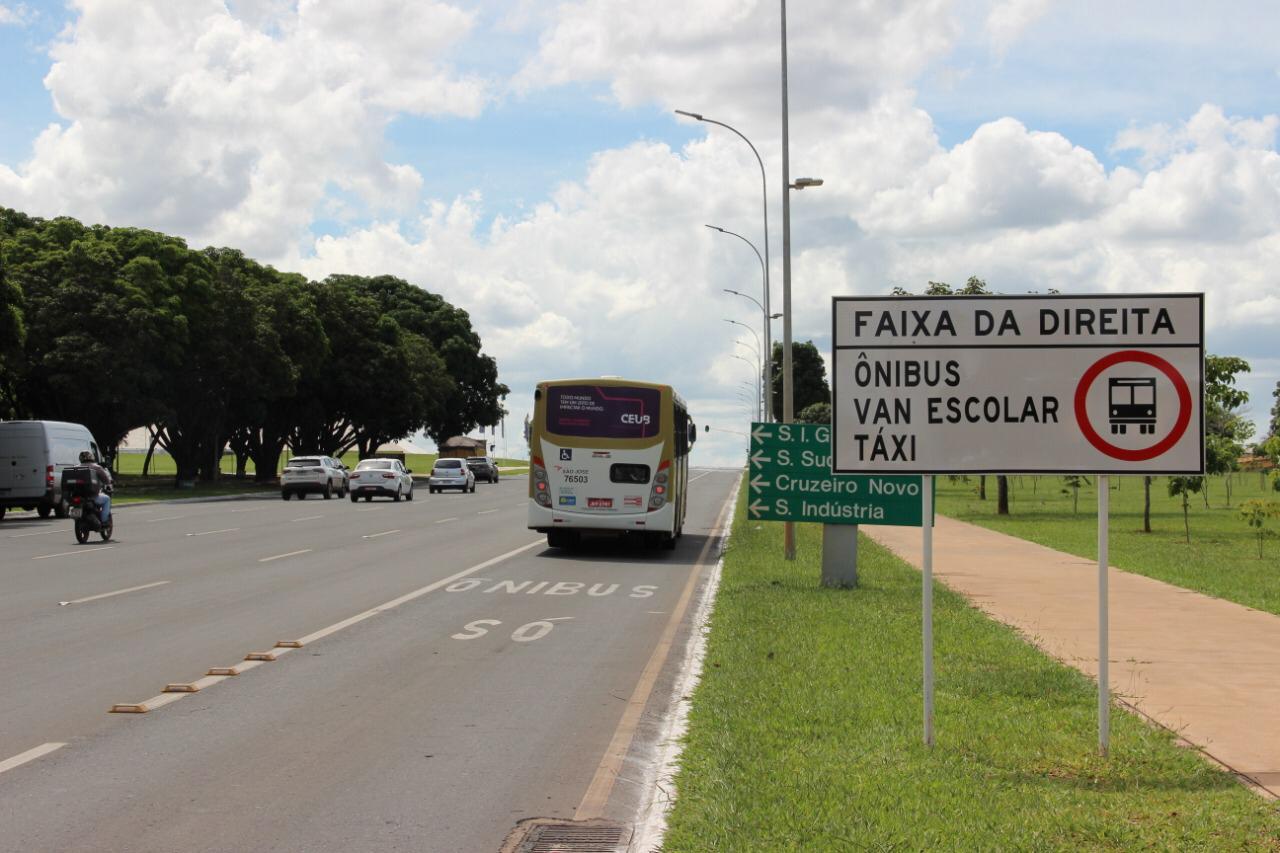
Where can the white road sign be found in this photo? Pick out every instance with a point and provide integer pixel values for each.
(1018, 384)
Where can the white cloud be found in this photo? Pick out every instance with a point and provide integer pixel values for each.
(17, 16)
(1009, 18)
(234, 130)
(721, 52)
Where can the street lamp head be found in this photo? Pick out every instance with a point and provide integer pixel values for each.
(734, 292)
(774, 316)
(716, 228)
(801, 183)
(697, 116)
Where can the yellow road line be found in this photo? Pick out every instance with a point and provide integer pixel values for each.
(597, 795)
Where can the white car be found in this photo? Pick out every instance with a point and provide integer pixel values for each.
(386, 477)
(306, 474)
(451, 474)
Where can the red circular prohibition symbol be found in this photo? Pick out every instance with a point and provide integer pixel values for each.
(1142, 454)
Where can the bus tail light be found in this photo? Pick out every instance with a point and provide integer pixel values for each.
(541, 492)
(658, 492)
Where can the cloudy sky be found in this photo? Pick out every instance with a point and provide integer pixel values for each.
(522, 158)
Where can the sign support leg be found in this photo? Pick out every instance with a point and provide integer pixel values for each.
(840, 555)
(927, 604)
(1104, 659)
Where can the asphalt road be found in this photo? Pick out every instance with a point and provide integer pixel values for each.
(456, 676)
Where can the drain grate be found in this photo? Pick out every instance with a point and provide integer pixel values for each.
(541, 835)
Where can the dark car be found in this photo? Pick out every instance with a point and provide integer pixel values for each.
(484, 468)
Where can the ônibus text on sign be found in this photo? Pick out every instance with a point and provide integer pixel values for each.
(1018, 384)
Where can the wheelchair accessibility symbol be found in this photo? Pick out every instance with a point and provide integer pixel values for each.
(1132, 402)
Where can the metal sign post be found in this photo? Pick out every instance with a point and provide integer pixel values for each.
(1104, 640)
(926, 597)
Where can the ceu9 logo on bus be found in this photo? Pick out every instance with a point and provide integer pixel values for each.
(636, 420)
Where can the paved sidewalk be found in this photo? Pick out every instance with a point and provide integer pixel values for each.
(1203, 667)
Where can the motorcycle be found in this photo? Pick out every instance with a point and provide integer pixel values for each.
(81, 486)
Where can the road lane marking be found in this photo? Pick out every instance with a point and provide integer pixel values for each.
(417, 593)
(73, 553)
(308, 518)
(250, 509)
(41, 533)
(282, 556)
(376, 535)
(486, 511)
(109, 594)
(166, 518)
(256, 659)
(443, 520)
(29, 755)
(211, 532)
(700, 476)
(597, 795)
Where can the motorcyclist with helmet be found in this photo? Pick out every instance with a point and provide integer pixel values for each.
(104, 496)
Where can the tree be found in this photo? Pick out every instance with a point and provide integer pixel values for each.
(818, 413)
(1146, 504)
(1073, 483)
(1256, 513)
(1275, 413)
(1185, 486)
(1002, 494)
(1226, 430)
(809, 377)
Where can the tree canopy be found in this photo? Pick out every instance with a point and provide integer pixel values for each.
(121, 328)
(808, 377)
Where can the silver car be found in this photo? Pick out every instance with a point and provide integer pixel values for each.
(451, 474)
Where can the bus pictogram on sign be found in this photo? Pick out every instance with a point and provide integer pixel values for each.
(1131, 401)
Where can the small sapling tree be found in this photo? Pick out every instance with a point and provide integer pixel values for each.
(1073, 483)
(1256, 513)
(1185, 487)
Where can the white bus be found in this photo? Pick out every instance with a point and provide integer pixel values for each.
(608, 455)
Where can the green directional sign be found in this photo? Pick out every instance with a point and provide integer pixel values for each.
(791, 480)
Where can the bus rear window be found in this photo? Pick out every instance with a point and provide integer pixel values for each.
(591, 411)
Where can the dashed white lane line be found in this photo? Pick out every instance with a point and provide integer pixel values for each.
(486, 511)
(211, 532)
(250, 509)
(700, 476)
(308, 518)
(74, 553)
(109, 594)
(443, 520)
(376, 535)
(282, 556)
(29, 755)
(41, 533)
(255, 659)
(165, 518)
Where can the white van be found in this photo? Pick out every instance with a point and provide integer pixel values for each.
(32, 456)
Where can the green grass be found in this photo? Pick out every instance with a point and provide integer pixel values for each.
(805, 731)
(1221, 560)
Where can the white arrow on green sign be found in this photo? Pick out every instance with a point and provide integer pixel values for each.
(791, 480)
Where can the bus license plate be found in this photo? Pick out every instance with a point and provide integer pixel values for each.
(75, 512)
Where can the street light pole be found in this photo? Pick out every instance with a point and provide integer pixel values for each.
(788, 399)
(763, 403)
(753, 370)
(764, 198)
(788, 385)
(764, 309)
